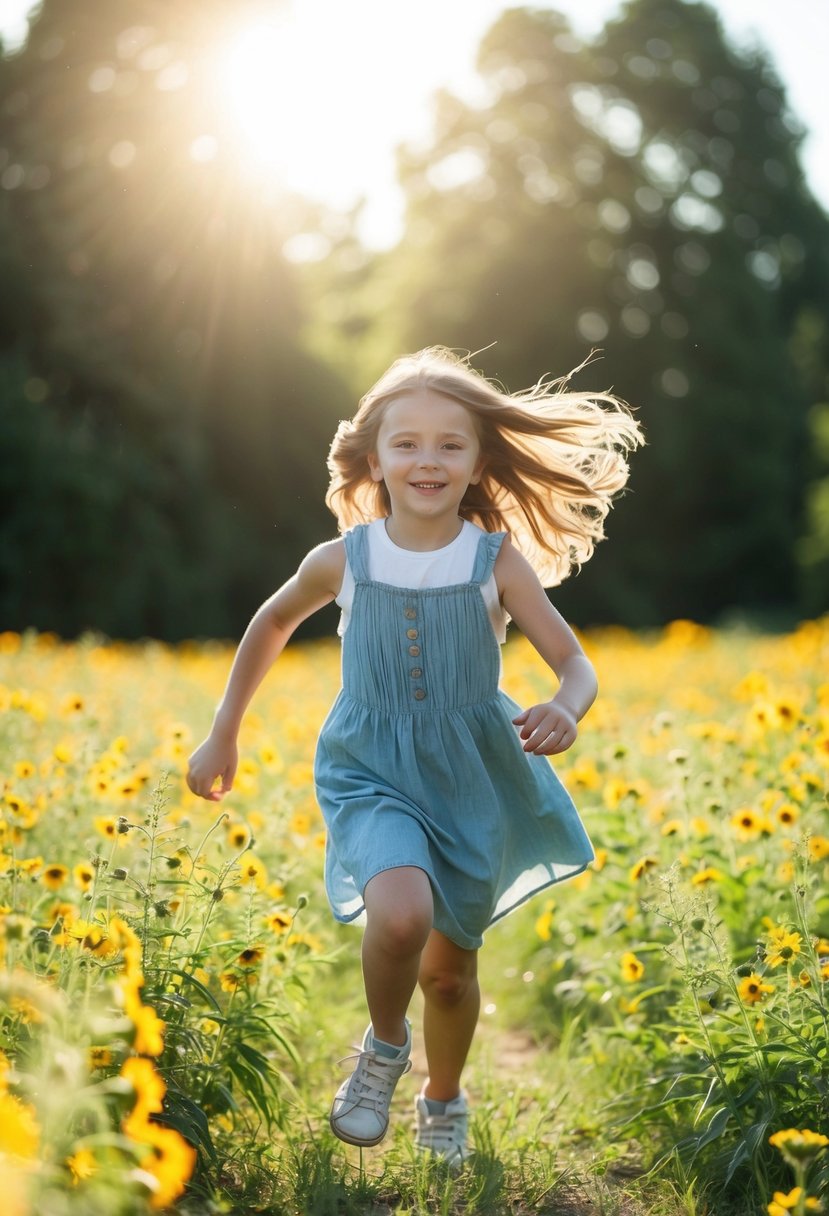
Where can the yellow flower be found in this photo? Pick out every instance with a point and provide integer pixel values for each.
(171, 1164)
(708, 874)
(30, 865)
(271, 758)
(787, 712)
(584, 775)
(106, 825)
(762, 716)
(752, 989)
(251, 957)
(19, 1130)
(82, 1165)
(308, 941)
(798, 1145)
(238, 835)
(24, 769)
(544, 923)
(671, 827)
(783, 1203)
(99, 1057)
(300, 823)
(72, 704)
(617, 789)
(787, 814)
(149, 1031)
(229, 981)
(63, 912)
(632, 967)
(279, 922)
(783, 946)
(92, 938)
(54, 876)
(149, 1092)
(748, 825)
(641, 867)
(25, 1010)
(84, 875)
(818, 848)
(252, 871)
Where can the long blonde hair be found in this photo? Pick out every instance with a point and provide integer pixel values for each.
(553, 458)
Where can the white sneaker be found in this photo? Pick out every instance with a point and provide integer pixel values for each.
(443, 1135)
(360, 1111)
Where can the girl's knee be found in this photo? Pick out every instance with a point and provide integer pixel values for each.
(401, 931)
(447, 986)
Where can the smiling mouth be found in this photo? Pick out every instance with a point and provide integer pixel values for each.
(428, 485)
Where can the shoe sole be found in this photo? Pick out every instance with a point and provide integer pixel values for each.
(351, 1140)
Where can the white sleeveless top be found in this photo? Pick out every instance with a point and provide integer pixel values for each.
(388, 563)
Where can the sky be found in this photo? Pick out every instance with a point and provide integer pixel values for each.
(383, 61)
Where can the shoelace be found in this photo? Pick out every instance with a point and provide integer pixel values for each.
(443, 1133)
(374, 1077)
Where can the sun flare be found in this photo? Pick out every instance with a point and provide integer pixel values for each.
(318, 104)
(266, 84)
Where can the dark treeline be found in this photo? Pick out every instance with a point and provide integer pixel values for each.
(170, 380)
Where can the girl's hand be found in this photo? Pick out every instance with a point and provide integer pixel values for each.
(547, 729)
(215, 757)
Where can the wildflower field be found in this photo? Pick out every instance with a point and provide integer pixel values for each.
(174, 996)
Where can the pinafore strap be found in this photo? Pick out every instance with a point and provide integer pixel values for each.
(489, 546)
(356, 550)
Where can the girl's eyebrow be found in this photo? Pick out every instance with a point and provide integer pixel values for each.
(413, 431)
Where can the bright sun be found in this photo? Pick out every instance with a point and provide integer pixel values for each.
(320, 102)
(267, 88)
(300, 106)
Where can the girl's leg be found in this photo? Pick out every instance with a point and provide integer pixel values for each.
(449, 979)
(399, 913)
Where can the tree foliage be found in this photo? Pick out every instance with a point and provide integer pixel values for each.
(641, 194)
(158, 325)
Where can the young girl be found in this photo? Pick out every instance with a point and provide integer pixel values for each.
(442, 810)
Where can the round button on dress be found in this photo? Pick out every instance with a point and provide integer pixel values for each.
(436, 777)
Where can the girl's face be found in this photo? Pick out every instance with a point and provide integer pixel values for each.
(428, 453)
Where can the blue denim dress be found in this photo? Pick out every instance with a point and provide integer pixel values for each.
(418, 763)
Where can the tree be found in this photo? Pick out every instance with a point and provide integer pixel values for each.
(151, 301)
(642, 194)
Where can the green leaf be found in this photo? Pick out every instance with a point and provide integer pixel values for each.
(716, 1127)
(170, 998)
(747, 1147)
(183, 1114)
(197, 984)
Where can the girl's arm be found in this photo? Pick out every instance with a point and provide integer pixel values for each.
(551, 726)
(316, 583)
